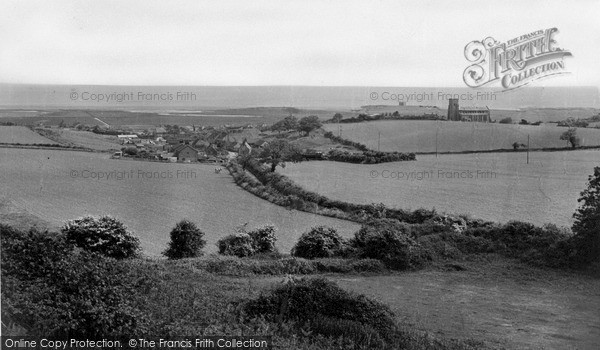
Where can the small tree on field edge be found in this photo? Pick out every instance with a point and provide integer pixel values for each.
(187, 241)
(587, 220)
(571, 136)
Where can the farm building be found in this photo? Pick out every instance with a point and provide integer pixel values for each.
(185, 153)
(467, 114)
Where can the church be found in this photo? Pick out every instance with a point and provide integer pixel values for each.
(467, 114)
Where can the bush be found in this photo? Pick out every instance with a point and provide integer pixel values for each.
(318, 303)
(389, 241)
(105, 235)
(587, 221)
(57, 291)
(507, 120)
(187, 241)
(263, 239)
(319, 242)
(239, 244)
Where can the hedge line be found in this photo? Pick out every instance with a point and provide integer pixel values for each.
(367, 156)
(345, 142)
(280, 190)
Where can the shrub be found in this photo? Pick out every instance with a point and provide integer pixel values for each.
(312, 301)
(239, 244)
(587, 220)
(389, 241)
(187, 241)
(105, 235)
(56, 291)
(319, 242)
(263, 239)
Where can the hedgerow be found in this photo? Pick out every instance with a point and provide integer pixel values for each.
(368, 157)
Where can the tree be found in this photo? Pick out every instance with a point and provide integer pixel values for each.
(130, 151)
(278, 152)
(337, 118)
(288, 123)
(587, 220)
(507, 120)
(308, 124)
(187, 241)
(244, 160)
(517, 145)
(571, 136)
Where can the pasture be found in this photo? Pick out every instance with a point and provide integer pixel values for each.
(150, 198)
(492, 186)
(22, 135)
(85, 139)
(420, 136)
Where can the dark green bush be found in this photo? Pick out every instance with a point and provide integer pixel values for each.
(105, 235)
(389, 241)
(187, 241)
(239, 244)
(587, 221)
(321, 302)
(53, 290)
(263, 239)
(319, 242)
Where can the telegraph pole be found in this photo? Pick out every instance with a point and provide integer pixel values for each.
(379, 141)
(436, 141)
(527, 148)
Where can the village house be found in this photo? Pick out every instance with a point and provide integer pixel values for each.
(185, 153)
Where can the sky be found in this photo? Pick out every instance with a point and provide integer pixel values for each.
(319, 43)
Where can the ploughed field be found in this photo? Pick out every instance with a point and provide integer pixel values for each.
(150, 198)
(420, 136)
(492, 186)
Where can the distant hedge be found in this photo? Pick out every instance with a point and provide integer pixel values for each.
(369, 157)
(280, 190)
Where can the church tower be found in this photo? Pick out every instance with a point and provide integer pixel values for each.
(453, 109)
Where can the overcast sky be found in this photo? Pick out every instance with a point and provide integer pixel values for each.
(359, 43)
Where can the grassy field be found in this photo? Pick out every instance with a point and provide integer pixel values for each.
(506, 188)
(40, 183)
(420, 136)
(22, 135)
(505, 303)
(85, 139)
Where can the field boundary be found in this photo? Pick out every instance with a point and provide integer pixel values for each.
(511, 150)
(55, 147)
